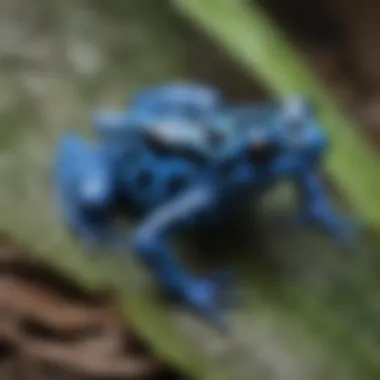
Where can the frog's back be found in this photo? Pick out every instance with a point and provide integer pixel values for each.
(161, 157)
(185, 99)
(168, 158)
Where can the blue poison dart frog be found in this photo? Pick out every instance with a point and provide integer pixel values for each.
(175, 172)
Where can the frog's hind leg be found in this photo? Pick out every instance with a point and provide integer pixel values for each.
(151, 244)
(74, 154)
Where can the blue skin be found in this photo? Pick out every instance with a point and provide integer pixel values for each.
(182, 101)
(261, 154)
(179, 100)
(192, 101)
(85, 183)
(205, 191)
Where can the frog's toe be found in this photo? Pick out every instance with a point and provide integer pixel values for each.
(203, 297)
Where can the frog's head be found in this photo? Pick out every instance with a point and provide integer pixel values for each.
(297, 127)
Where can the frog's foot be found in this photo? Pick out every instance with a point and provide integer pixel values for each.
(207, 296)
(344, 230)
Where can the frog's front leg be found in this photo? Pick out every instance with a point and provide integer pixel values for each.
(151, 243)
(317, 208)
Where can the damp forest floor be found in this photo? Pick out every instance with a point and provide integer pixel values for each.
(311, 311)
